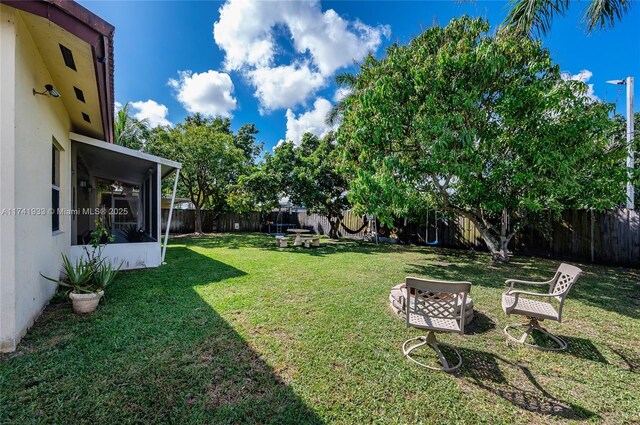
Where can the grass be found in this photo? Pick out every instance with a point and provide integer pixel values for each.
(233, 330)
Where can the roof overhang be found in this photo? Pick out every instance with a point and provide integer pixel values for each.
(119, 163)
(91, 29)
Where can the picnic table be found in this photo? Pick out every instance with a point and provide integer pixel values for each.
(298, 240)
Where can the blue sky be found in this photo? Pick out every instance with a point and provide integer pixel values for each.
(272, 63)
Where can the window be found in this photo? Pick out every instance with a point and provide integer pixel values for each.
(55, 187)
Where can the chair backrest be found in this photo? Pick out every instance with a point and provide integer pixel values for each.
(565, 277)
(437, 299)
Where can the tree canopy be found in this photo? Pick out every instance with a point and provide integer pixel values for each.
(478, 125)
(308, 174)
(212, 161)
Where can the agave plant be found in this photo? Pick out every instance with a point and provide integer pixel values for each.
(78, 275)
(104, 274)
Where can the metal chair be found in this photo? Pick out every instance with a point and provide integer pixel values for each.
(432, 305)
(518, 302)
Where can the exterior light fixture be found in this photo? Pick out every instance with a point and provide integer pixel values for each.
(117, 187)
(49, 90)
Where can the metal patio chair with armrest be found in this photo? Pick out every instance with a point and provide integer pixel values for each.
(433, 305)
(519, 302)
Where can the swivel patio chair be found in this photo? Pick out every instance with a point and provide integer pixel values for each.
(433, 305)
(520, 302)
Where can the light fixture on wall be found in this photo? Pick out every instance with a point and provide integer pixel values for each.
(49, 90)
(117, 187)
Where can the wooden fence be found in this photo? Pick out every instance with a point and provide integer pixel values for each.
(183, 221)
(611, 237)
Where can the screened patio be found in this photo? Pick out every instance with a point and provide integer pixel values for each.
(122, 188)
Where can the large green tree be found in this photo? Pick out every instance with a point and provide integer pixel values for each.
(479, 126)
(316, 181)
(621, 138)
(308, 174)
(211, 161)
(245, 139)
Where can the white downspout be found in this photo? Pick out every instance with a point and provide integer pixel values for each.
(166, 231)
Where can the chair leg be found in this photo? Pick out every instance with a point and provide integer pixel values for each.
(534, 325)
(430, 340)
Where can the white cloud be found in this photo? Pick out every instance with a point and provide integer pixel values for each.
(246, 32)
(333, 42)
(209, 93)
(312, 121)
(284, 86)
(583, 76)
(152, 111)
(280, 143)
(341, 93)
(117, 105)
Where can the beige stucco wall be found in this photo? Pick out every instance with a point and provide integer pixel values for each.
(7, 178)
(29, 247)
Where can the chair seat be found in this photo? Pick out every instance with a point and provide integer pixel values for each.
(427, 322)
(530, 308)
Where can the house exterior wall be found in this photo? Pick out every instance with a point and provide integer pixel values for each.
(127, 256)
(7, 178)
(29, 247)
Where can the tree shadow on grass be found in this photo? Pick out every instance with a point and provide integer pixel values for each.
(610, 288)
(155, 352)
(480, 324)
(266, 242)
(630, 359)
(577, 347)
(483, 370)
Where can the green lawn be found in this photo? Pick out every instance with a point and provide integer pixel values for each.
(234, 330)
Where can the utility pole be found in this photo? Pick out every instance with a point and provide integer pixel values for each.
(630, 153)
(630, 132)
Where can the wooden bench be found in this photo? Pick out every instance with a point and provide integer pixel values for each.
(282, 241)
(311, 241)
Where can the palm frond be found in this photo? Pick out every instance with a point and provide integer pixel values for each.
(346, 79)
(528, 16)
(129, 131)
(604, 13)
(334, 114)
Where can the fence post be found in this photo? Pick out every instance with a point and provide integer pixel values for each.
(592, 235)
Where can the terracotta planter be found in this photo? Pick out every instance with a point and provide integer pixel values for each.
(85, 303)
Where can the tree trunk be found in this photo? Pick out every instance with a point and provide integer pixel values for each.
(335, 226)
(494, 246)
(198, 224)
(497, 244)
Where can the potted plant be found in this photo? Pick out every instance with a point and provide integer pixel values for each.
(89, 275)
